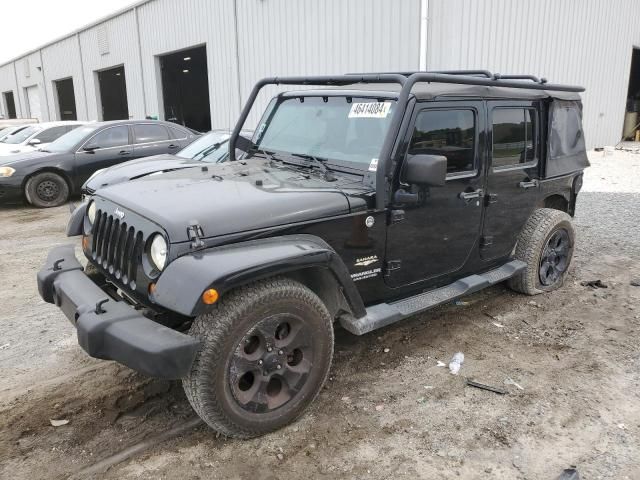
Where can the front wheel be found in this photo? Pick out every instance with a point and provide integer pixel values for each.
(546, 245)
(266, 352)
(46, 189)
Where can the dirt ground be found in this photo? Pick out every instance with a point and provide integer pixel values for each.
(391, 413)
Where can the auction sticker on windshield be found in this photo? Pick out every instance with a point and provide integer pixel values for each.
(370, 110)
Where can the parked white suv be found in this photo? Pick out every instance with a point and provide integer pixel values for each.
(35, 136)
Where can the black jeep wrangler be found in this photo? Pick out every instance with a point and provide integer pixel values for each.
(363, 201)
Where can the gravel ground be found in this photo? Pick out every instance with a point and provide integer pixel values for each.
(384, 413)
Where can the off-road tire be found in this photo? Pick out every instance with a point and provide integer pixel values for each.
(540, 227)
(46, 189)
(208, 385)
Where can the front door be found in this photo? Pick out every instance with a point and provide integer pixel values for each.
(106, 148)
(512, 180)
(434, 237)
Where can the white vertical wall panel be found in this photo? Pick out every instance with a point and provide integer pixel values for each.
(171, 25)
(62, 60)
(34, 78)
(122, 50)
(305, 37)
(584, 42)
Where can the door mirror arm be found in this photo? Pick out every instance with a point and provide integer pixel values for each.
(402, 196)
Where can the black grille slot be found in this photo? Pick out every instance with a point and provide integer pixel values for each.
(117, 247)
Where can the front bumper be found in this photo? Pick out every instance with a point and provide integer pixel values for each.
(11, 189)
(110, 329)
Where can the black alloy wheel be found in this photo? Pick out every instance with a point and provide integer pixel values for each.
(272, 363)
(555, 257)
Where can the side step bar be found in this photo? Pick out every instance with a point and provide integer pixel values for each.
(384, 314)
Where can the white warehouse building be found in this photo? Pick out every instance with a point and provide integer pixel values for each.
(195, 61)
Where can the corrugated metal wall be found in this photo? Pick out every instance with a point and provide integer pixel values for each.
(281, 37)
(121, 45)
(587, 42)
(192, 23)
(584, 42)
(62, 60)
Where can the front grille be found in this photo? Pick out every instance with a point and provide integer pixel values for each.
(117, 248)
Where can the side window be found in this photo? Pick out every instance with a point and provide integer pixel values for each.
(111, 137)
(178, 134)
(145, 133)
(513, 137)
(51, 134)
(450, 133)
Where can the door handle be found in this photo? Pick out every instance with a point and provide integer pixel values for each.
(471, 195)
(528, 184)
(124, 152)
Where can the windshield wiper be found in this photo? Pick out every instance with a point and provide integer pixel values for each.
(318, 162)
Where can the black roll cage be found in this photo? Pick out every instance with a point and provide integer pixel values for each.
(407, 80)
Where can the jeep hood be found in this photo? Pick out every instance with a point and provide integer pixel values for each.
(236, 197)
(138, 168)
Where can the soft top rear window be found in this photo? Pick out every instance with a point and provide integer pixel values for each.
(566, 149)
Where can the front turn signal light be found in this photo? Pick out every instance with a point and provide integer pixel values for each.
(85, 243)
(209, 297)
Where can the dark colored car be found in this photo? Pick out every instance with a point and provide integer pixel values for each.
(210, 147)
(47, 177)
(362, 204)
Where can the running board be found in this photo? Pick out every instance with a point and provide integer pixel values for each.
(384, 314)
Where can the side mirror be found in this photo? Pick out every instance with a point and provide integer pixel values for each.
(90, 147)
(34, 141)
(428, 170)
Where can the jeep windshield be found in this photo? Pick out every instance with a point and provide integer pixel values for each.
(343, 130)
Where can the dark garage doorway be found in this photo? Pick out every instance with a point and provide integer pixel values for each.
(185, 88)
(66, 99)
(113, 94)
(632, 112)
(10, 104)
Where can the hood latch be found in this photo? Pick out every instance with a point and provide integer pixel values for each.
(195, 233)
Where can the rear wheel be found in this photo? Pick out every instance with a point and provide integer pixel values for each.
(266, 352)
(46, 189)
(546, 245)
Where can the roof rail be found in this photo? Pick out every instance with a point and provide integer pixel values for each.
(533, 78)
(484, 73)
(378, 179)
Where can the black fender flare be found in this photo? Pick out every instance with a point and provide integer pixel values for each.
(224, 268)
(76, 221)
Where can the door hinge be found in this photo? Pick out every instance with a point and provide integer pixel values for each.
(391, 266)
(486, 241)
(490, 198)
(396, 216)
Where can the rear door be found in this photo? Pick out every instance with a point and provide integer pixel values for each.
(152, 139)
(108, 147)
(434, 237)
(512, 180)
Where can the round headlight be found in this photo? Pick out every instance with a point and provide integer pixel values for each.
(158, 251)
(91, 212)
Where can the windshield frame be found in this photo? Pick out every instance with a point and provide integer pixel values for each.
(360, 168)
